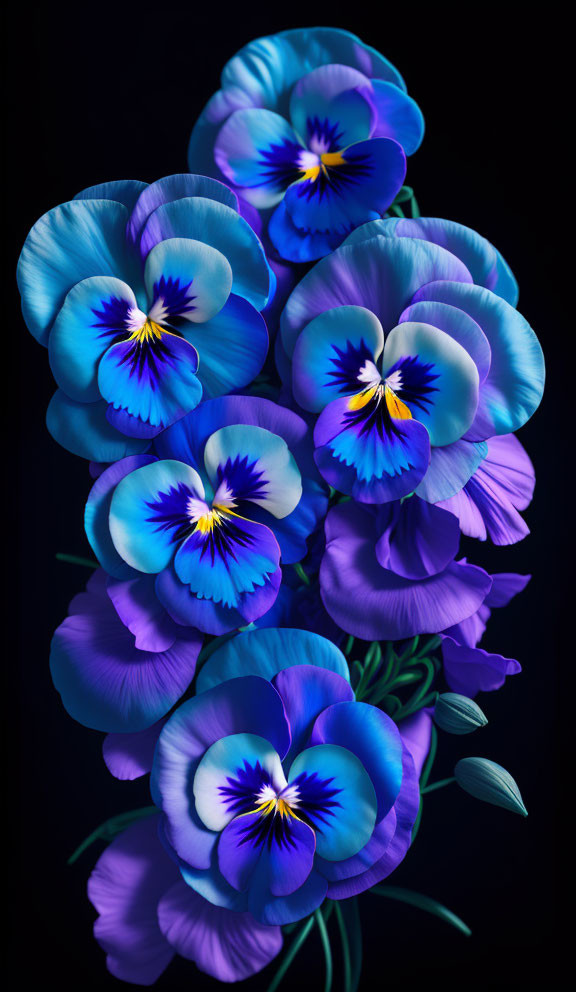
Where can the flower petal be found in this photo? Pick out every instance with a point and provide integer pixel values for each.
(332, 107)
(398, 116)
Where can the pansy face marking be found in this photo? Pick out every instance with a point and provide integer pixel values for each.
(218, 566)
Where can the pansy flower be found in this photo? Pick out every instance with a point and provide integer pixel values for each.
(312, 124)
(148, 298)
(277, 788)
(211, 514)
(410, 365)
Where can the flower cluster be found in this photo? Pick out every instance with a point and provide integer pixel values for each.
(284, 462)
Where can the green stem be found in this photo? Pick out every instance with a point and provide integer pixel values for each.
(112, 827)
(326, 948)
(422, 902)
(349, 645)
(291, 953)
(345, 948)
(430, 759)
(75, 560)
(436, 785)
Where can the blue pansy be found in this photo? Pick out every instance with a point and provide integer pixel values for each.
(148, 299)
(313, 125)
(212, 516)
(410, 365)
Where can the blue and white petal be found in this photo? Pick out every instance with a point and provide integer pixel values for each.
(221, 227)
(414, 349)
(151, 510)
(188, 279)
(245, 462)
(330, 353)
(95, 315)
(257, 149)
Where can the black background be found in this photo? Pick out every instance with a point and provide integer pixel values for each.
(111, 92)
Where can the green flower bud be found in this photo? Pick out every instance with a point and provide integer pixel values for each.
(488, 781)
(457, 714)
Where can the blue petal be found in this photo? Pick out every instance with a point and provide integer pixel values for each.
(293, 531)
(380, 274)
(187, 279)
(296, 245)
(277, 911)
(172, 188)
(97, 511)
(222, 228)
(124, 191)
(356, 185)
(306, 691)
(459, 325)
(150, 384)
(399, 116)
(256, 465)
(268, 651)
(84, 330)
(76, 240)
(363, 458)
(330, 352)
(484, 262)
(83, 429)
(231, 559)
(331, 108)
(344, 829)
(232, 347)
(373, 737)
(149, 511)
(513, 388)
(247, 854)
(215, 617)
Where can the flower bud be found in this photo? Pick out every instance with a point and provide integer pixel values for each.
(488, 781)
(458, 714)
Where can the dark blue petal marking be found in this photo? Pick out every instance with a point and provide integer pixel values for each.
(279, 163)
(243, 478)
(316, 802)
(348, 363)
(176, 298)
(323, 135)
(113, 318)
(241, 791)
(415, 379)
(170, 511)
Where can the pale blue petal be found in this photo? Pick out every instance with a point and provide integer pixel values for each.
(145, 538)
(84, 429)
(201, 273)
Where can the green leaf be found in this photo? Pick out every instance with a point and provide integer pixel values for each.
(75, 560)
(291, 953)
(422, 902)
(326, 948)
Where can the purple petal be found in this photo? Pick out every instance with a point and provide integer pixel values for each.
(419, 539)
(140, 610)
(373, 603)
(129, 879)
(229, 946)
(129, 756)
(306, 691)
(472, 670)
(250, 844)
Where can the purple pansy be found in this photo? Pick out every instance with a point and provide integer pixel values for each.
(277, 788)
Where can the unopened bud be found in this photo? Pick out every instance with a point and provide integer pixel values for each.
(458, 714)
(488, 781)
